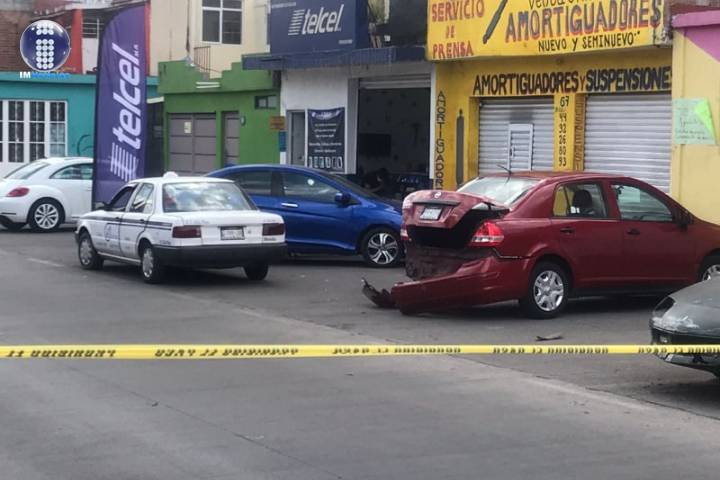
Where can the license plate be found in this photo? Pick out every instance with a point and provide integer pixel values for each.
(235, 233)
(431, 213)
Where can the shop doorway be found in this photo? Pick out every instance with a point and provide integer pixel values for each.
(297, 138)
(393, 141)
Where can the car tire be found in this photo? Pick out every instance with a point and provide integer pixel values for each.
(87, 255)
(548, 291)
(710, 268)
(46, 215)
(381, 248)
(12, 226)
(257, 273)
(151, 267)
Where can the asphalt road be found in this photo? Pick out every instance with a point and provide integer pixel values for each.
(397, 418)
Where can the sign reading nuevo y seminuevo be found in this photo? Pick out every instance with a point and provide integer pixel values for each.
(326, 139)
(478, 28)
(120, 106)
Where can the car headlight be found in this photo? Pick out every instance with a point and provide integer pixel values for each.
(666, 304)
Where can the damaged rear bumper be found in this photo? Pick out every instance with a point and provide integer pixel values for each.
(484, 280)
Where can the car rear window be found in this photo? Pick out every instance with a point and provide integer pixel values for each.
(203, 197)
(27, 171)
(504, 190)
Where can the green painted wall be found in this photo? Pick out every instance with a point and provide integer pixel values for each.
(236, 92)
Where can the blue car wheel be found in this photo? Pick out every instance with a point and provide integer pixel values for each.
(381, 248)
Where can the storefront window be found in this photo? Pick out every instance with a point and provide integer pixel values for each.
(35, 129)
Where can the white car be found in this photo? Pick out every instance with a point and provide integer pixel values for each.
(46, 193)
(193, 222)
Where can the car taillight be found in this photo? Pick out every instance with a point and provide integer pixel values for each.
(488, 235)
(18, 192)
(273, 229)
(407, 203)
(190, 231)
(404, 235)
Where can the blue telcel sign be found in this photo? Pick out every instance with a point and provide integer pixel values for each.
(298, 26)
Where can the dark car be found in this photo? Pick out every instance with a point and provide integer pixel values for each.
(690, 317)
(544, 237)
(324, 213)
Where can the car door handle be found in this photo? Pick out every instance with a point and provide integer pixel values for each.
(289, 205)
(633, 231)
(567, 230)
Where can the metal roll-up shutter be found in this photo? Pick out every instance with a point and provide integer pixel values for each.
(527, 118)
(630, 135)
(419, 80)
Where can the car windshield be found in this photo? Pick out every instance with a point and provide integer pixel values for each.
(504, 190)
(26, 171)
(203, 197)
(356, 189)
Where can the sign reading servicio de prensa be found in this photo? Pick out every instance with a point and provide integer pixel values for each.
(481, 28)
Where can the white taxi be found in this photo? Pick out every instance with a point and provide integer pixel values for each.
(193, 222)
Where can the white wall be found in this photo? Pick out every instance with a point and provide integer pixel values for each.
(321, 89)
(89, 53)
(169, 20)
(327, 88)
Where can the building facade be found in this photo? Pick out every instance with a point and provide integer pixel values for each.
(696, 123)
(223, 121)
(583, 87)
(212, 34)
(355, 86)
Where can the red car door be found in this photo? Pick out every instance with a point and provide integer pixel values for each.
(657, 249)
(587, 234)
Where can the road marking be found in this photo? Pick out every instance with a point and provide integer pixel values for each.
(48, 263)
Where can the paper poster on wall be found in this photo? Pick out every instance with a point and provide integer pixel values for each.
(692, 122)
(326, 139)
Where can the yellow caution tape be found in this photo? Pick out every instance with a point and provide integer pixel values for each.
(219, 352)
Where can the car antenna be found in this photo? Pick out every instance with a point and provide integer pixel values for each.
(507, 169)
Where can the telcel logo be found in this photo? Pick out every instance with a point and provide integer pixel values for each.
(305, 22)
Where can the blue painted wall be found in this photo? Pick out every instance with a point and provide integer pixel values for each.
(79, 93)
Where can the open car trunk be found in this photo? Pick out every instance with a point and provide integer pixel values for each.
(440, 226)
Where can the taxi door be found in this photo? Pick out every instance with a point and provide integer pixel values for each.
(135, 220)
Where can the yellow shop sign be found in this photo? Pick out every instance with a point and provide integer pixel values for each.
(484, 28)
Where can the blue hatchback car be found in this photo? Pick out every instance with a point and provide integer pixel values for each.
(324, 213)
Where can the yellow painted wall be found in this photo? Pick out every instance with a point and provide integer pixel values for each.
(695, 177)
(461, 85)
(169, 21)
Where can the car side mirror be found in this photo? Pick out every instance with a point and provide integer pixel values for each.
(100, 206)
(342, 198)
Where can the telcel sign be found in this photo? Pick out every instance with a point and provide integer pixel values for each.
(317, 25)
(483, 28)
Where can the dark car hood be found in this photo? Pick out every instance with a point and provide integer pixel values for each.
(696, 311)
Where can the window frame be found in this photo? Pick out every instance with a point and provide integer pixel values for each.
(149, 199)
(221, 9)
(670, 208)
(599, 185)
(54, 176)
(308, 199)
(131, 188)
(25, 124)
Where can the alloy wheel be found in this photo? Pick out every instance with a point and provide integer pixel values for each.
(46, 216)
(383, 248)
(712, 271)
(548, 291)
(148, 263)
(86, 252)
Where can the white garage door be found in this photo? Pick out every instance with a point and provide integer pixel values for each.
(516, 133)
(630, 135)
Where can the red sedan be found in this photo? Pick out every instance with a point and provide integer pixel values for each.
(541, 238)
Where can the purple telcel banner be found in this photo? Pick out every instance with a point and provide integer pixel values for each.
(120, 104)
